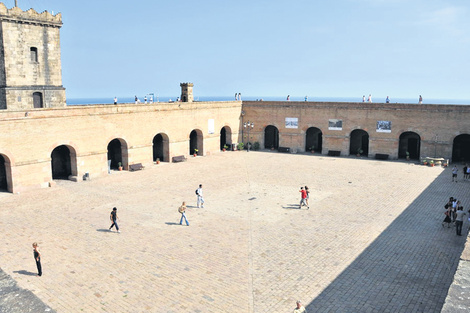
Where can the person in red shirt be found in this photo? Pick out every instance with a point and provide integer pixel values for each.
(303, 200)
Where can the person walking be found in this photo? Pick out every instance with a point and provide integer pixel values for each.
(299, 308)
(200, 198)
(387, 100)
(364, 98)
(114, 217)
(308, 196)
(420, 100)
(115, 100)
(454, 173)
(303, 198)
(182, 210)
(37, 258)
(459, 220)
(370, 98)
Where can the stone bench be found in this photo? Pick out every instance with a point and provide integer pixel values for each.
(283, 149)
(178, 158)
(136, 167)
(334, 153)
(381, 156)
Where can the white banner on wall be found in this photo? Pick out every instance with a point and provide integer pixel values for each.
(210, 126)
(292, 122)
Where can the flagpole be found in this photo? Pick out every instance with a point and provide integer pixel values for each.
(16, 3)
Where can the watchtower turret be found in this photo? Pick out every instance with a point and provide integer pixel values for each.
(187, 92)
(30, 66)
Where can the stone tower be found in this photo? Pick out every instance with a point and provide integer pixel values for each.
(187, 92)
(30, 67)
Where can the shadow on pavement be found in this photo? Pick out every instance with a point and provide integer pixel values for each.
(409, 267)
(23, 272)
(104, 230)
(170, 223)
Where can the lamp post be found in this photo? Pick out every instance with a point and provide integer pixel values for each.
(436, 138)
(248, 125)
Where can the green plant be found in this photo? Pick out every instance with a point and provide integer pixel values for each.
(240, 146)
(256, 146)
(196, 150)
(225, 147)
(119, 164)
(359, 151)
(407, 154)
(312, 148)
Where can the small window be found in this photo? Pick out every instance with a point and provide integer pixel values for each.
(34, 54)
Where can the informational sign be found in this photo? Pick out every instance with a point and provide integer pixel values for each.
(210, 126)
(292, 122)
(335, 124)
(384, 126)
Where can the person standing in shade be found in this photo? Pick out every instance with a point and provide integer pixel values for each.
(454, 173)
(303, 198)
(37, 258)
(370, 98)
(420, 101)
(459, 220)
(200, 198)
(114, 217)
(299, 308)
(387, 100)
(115, 100)
(182, 210)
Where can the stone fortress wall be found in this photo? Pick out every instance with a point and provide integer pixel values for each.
(434, 128)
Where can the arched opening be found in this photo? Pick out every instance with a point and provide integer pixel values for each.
(271, 137)
(196, 142)
(5, 174)
(117, 153)
(37, 100)
(225, 137)
(461, 148)
(161, 148)
(313, 139)
(359, 142)
(409, 142)
(61, 163)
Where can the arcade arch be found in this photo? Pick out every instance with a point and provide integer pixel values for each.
(117, 153)
(461, 148)
(161, 147)
(409, 142)
(271, 137)
(196, 142)
(63, 162)
(225, 137)
(359, 141)
(313, 138)
(6, 183)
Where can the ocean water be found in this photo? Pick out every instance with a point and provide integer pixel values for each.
(88, 101)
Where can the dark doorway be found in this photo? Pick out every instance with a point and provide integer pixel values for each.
(3, 175)
(409, 142)
(60, 163)
(359, 142)
(225, 137)
(313, 139)
(37, 100)
(461, 148)
(158, 148)
(271, 137)
(115, 153)
(195, 142)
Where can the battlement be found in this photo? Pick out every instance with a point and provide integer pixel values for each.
(30, 16)
(186, 85)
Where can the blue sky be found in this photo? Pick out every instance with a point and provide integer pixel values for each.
(337, 48)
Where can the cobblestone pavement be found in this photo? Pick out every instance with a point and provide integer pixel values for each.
(372, 240)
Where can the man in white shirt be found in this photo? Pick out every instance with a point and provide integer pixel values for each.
(200, 199)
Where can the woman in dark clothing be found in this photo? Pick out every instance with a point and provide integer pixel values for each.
(448, 213)
(37, 258)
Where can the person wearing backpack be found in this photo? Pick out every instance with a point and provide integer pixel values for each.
(200, 199)
(182, 210)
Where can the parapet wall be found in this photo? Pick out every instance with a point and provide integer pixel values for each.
(30, 16)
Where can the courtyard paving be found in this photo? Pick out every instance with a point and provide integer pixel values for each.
(372, 240)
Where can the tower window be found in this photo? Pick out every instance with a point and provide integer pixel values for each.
(34, 54)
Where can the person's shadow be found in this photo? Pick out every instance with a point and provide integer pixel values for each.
(291, 207)
(104, 230)
(23, 272)
(171, 223)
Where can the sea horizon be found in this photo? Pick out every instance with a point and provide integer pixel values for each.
(97, 101)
